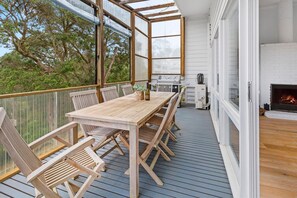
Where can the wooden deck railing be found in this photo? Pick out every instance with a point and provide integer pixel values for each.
(34, 114)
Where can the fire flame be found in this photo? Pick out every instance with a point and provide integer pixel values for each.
(288, 99)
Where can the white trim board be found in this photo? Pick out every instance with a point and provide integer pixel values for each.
(230, 172)
(281, 115)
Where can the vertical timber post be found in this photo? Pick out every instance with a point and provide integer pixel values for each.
(150, 61)
(100, 48)
(133, 48)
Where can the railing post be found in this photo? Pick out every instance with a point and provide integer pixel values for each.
(73, 136)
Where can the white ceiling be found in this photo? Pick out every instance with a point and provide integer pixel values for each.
(194, 8)
(270, 2)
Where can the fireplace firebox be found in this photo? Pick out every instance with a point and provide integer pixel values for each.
(283, 97)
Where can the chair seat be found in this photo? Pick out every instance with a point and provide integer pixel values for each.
(146, 134)
(62, 171)
(162, 111)
(102, 131)
(155, 120)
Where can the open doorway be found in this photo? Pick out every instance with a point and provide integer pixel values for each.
(278, 98)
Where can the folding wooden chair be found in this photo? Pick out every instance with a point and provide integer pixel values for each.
(153, 140)
(83, 99)
(109, 93)
(157, 119)
(77, 159)
(127, 89)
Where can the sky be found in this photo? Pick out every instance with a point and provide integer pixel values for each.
(4, 51)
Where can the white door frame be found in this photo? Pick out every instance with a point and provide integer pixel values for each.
(249, 98)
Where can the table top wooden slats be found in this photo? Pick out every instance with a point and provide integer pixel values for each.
(124, 110)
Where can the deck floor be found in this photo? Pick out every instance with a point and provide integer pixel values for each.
(196, 171)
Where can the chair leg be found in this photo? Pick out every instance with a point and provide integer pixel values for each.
(109, 151)
(164, 155)
(118, 147)
(172, 136)
(99, 146)
(167, 149)
(154, 161)
(87, 183)
(125, 142)
(176, 126)
(70, 191)
(151, 173)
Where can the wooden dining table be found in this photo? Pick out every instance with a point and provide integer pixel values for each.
(125, 113)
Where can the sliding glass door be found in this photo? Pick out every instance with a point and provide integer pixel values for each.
(234, 94)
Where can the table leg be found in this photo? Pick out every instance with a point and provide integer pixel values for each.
(134, 161)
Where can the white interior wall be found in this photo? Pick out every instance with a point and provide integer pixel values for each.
(268, 21)
(196, 50)
(278, 66)
(269, 18)
(295, 21)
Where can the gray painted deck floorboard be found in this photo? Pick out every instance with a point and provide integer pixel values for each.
(196, 171)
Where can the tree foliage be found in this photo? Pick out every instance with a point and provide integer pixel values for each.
(53, 48)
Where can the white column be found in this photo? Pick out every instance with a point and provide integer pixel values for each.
(285, 22)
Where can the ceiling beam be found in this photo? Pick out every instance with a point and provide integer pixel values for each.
(154, 7)
(161, 13)
(129, 1)
(165, 18)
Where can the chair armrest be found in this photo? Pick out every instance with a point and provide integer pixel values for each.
(62, 156)
(53, 134)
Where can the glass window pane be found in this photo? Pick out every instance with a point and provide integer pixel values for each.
(117, 58)
(141, 68)
(116, 27)
(166, 66)
(232, 56)
(141, 25)
(218, 109)
(141, 47)
(155, 11)
(149, 3)
(166, 28)
(234, 139)
(118, 12)
(166, 47)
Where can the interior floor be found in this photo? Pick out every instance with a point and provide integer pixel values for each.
(278, 158)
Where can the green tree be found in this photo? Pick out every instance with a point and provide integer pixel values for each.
(55, 42)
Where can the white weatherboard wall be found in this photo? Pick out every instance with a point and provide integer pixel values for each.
(278, 66)
(196, 50)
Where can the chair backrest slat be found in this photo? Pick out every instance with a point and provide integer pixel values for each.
(127, 89)
(83, 99)
(182, 92)
(109, 93)
(16, 147)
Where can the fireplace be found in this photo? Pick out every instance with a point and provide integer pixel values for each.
(284, 97)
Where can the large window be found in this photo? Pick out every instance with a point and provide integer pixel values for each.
(117, 56)
(43, 46)
(232, 56)
(117, 11)
(117, 36)
(166, 47)
(141, 49)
